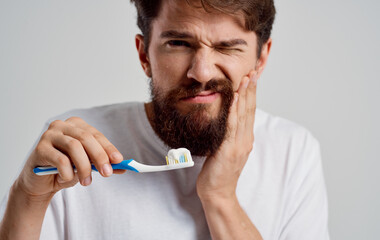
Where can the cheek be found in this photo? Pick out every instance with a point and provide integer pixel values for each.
(237, 68)
(168, 70)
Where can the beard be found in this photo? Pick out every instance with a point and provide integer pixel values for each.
(195, 130)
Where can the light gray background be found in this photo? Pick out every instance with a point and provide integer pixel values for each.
(322, 73)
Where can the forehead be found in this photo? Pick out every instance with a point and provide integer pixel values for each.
(181, 16)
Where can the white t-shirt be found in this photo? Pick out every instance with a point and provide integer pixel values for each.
(281, 188)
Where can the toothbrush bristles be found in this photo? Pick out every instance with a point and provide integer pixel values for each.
(182, 159)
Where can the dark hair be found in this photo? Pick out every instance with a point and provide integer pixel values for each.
(258, 14)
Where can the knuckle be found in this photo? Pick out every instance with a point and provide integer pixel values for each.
(55, 124)
(45, 135)
(84, 136)
(48, 134)
(40, 149)
(98, 135)
(73, 143)
(73, 119)
(63, 161)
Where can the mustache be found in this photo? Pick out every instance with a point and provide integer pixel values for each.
(221, 86)
(202, 135)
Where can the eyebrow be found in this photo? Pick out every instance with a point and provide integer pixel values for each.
(232, 43)
(185, 35)
(176, 34)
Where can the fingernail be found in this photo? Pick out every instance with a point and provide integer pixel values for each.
(86, 181)
(116, 156)
(107, 170)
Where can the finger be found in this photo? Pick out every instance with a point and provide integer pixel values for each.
(93, 148)
(53, 157)
(66, 184)
(232, 118)
(74, 150)
(251, 102)
(113, 154)
(241, 108)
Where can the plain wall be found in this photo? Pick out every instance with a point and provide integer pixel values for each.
(322, 73)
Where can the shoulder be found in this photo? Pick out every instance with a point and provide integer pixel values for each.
(111, 120)
(281, 131)
(113, 115)
(289, 159)
(100, 112)
(285, 145)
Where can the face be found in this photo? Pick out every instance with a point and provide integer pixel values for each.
(196, 60)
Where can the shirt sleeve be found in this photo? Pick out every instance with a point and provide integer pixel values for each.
(307, 211)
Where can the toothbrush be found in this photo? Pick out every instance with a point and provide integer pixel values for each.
(176, 159)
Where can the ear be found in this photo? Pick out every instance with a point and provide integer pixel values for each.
(143, 56)
(262, 61)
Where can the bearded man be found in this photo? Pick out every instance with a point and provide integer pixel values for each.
(256, 176)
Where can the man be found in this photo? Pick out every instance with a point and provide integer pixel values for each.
(255, 176)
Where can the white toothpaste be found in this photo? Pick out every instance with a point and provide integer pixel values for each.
(175, 154)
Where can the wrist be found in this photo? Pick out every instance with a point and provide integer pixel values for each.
(19, 190)
(218, 201)
(24, 214)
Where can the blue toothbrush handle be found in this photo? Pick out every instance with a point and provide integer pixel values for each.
(53, 170)
(124, 165)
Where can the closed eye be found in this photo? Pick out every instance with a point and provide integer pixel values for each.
(227, 49)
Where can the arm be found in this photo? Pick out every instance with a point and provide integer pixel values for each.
(227, 220)
(216, 184)
(24, 214)
(63, 144)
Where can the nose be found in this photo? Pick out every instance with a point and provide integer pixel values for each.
(203, 66)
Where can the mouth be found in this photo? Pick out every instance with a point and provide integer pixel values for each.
(202, 97)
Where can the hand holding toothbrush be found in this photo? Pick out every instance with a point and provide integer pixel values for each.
(216, 184)
(65, 143)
